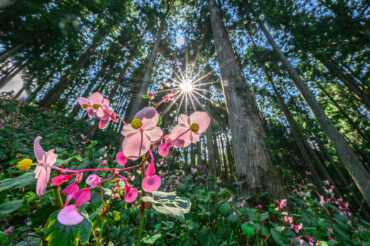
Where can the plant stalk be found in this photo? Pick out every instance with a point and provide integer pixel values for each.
(58, 197)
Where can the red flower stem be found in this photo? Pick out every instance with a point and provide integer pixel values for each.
(119, 117)
(96, 169)
(158, 104)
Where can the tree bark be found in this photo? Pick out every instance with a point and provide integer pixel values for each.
(356, 169)
(139, 101)
(252, 159)
(54, 93)
(347, 80)
(5, 55)
(39, 87)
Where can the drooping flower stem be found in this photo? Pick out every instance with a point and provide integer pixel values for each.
(95, 169)
(58, 197)
(142, 205)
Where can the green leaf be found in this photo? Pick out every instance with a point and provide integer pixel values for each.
(248, 230)
(168, 203)
(145, 96)
(264, 216)
(85, 228)
(277, 236)
(9, 207)
(18, 182)
(58, 234)
(159, 121)
(225, 209)
(233, 218)
(92, 216)
(116, 215)
(152, 239)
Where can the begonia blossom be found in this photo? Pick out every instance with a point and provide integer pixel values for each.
(142, 131)
(189, 128)
(45, 161)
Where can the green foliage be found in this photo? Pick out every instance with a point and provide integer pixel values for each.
(168, 203)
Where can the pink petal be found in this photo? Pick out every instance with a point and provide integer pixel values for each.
(164, 148)
(135, 146)
(42, 181)
(50, 158)
(201, 119)
(83, 100)
(195, 137)
(127, 130)
(131, 196)
(58, 180)
(150, 171)
(82, 196)
(121, 158)
(102, 123)
(151, 184)
(154, 134)
(69, 215)
(149, 116)
(96, 98)
(127, 188)
(180, 136)
(184, 120)
(79, 177)
(91, 113)
(93, 178)
(72, 188)
(39, 152)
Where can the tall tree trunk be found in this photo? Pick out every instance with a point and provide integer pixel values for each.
(54, 93)
(39, 87)
(212, 171)
(139, 101)
(361, 132)
(248, 136)
(20, 92)
(298, 136)
(356, 169)
(347, 80)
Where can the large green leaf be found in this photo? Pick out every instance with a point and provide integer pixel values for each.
(168, 203)
(152, 239)
(58, 234)
(9, 207)
(18, 182)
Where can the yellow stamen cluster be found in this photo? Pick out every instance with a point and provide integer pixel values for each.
(136, 123)
(194, 127)
(84, 106)
(95, 106)
(24, 165)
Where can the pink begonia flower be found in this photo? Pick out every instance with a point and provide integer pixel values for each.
(193, 170)
(94, 105)
(79, 177)
(69, 215)
(45, 161)
(150, 94)
(164, 148)
(82, 196)
(92, 179)
(189, 128)
(288, 219)
(121, 158)
(142, 131)
(104, 162)
(58, 180)
(151, 182)
(72, 188)
(282, 203)
(326, 182)
(9, 230)
(130, 193)
(108, 115)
